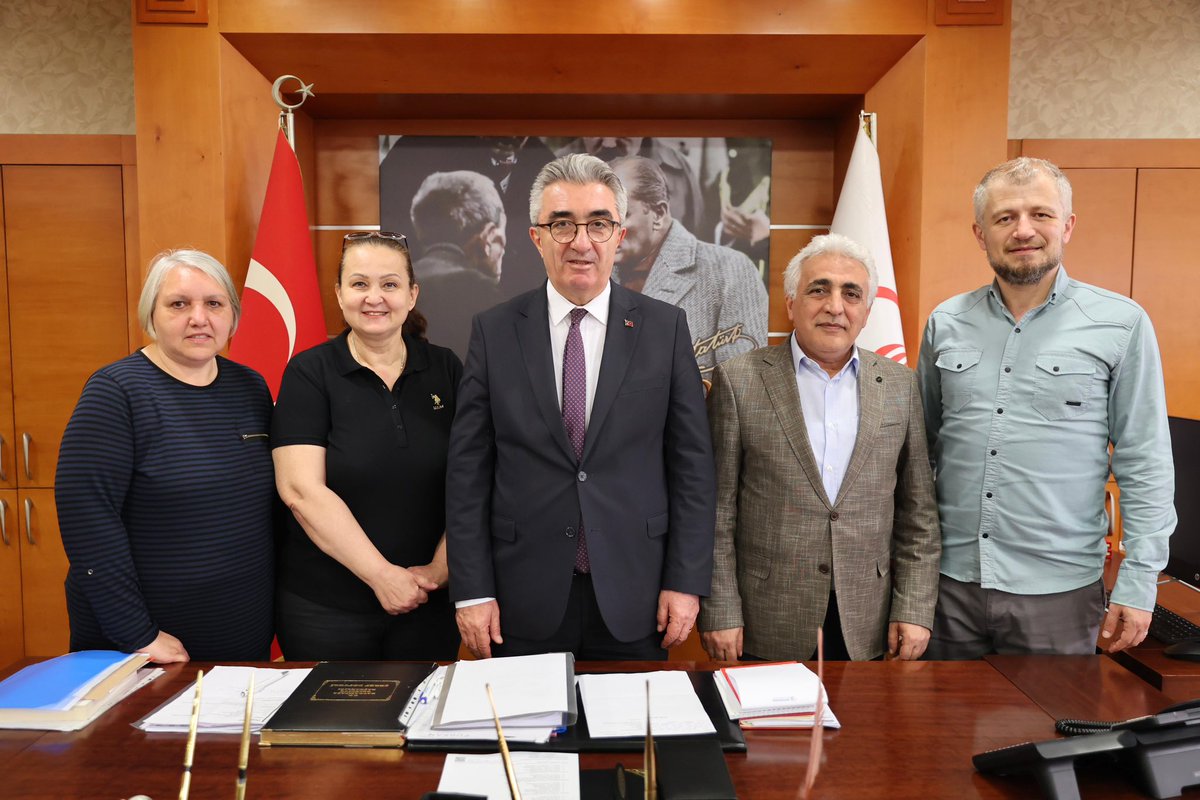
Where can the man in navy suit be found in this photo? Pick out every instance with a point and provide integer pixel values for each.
(580, 479)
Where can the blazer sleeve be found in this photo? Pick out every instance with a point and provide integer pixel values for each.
(687, 447)
(470, 471)
(722, 609)
(916, 534)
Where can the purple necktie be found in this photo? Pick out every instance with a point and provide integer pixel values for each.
(574, 412)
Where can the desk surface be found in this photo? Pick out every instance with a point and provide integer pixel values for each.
(910, 730)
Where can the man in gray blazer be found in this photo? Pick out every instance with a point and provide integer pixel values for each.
(579, 486)
(825, 506)
(718, 287)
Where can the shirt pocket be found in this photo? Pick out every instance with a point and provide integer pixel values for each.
(1062, 388)
(957, 370)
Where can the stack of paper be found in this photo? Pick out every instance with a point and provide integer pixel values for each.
(615, 705)
(68, 692)
(540, 776)
(771, 695)
(530, 691)
(223, 701)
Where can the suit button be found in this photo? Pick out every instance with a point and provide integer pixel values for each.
(833, 515)
(823, 569)
(570, 532)
(582, 476)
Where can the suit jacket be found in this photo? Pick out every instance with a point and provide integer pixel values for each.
(644, 488)
(452, 291)
(720, 290)
(780, 540)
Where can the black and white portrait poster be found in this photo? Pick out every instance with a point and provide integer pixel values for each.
(698, 227)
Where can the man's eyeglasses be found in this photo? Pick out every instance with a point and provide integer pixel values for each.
(361, 236)
(564, 231)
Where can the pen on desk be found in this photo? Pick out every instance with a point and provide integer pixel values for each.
(244, 752)
(185, 784)
(504, 754)
(651, 765)
(415, 699)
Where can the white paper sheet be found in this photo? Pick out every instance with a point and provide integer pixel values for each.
(223, 701)
(540, 776)
(529, 690)
(616, 705)
(419, 727)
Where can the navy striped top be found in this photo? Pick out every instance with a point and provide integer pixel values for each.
(165, 495)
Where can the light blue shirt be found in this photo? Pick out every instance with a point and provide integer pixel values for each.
(830, 406)
(1020, 415)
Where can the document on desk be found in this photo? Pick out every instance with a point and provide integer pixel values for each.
(615, 705)
(223, 706)
(540, 776)
(418, 721)
(533, 691)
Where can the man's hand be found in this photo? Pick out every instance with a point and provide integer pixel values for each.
(1132, 622)
(400, 590)
(676, 615)
(166, 649)
(723, 645)
(906, 641)
(479, 626)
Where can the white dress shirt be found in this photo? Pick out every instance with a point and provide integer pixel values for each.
(830, 405)
(592, 329)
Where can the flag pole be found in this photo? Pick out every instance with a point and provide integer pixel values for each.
(287, 122)
(869, 121)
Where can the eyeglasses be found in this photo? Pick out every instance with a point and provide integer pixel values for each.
(362, 236)
(564, 231)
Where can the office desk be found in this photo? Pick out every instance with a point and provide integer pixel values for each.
(1177, 678)
(909, 732)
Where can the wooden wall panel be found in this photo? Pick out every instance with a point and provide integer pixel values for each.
(43, 569)
(545, 16)
(1165, 265)
(899, 100)
(12, 630)
(1101, 248)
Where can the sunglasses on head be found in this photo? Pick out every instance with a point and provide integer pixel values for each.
(362, 236)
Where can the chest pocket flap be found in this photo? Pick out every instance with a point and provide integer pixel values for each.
(958, 360)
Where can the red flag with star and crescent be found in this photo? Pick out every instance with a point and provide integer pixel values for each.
(281, 303)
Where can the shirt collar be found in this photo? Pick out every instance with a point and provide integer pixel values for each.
(800, 360)
(1059, 289)
(560, 306)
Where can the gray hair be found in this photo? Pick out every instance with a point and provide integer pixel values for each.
(454, 206)
(168, 260)
(648, 184)
(831, 244)
(1021, 171)
(581, 170)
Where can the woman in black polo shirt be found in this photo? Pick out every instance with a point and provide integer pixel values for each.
(359, 437)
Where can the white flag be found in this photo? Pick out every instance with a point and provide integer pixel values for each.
(860, 216)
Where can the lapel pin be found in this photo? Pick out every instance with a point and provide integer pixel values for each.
(628, 323)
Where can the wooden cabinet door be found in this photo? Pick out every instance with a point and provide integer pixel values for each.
(1165, 265)
(65, 241)
(8, 462)
(12, 636)
(43, 572)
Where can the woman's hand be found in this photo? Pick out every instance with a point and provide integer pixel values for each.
(166, 649)
(436, 572)
(400, 590)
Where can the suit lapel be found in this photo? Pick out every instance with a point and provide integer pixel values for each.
(620, 340)
(870, 416)
(533, 334)
(779, 377)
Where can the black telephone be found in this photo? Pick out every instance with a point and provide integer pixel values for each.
(1162, 749)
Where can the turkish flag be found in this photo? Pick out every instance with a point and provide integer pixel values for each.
(281, 304)
(860, 215)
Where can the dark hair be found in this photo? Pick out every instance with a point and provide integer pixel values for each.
(415, 323)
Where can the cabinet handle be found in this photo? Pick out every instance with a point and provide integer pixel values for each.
(4, 522)
(3, 473)
(25, 440)
(29, 520)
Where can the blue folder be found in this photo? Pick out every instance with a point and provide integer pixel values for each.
(50, 683)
